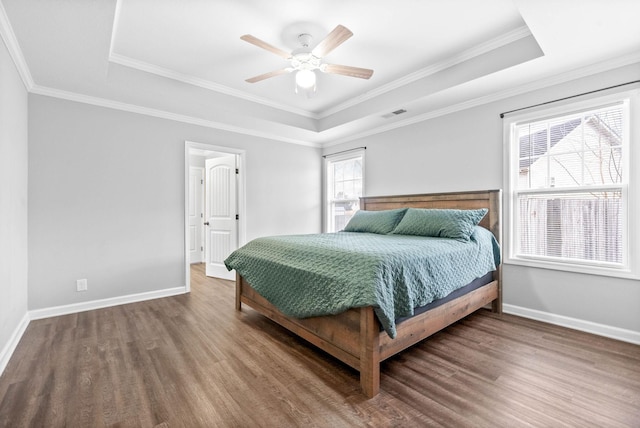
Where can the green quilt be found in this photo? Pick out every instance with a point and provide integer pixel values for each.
(325, 274)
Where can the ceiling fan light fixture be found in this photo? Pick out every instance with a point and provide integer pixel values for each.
(305, 79)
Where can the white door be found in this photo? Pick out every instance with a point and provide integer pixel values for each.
(221, 225)
(196, 214)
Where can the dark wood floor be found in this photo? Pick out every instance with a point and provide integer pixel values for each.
(192, 361)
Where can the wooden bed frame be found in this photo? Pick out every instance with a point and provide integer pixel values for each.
(355, 336)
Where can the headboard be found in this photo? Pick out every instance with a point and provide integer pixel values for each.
(490, 199)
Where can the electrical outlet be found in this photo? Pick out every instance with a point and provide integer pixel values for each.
(81, 285)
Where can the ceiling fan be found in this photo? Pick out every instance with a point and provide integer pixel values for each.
(305, 61)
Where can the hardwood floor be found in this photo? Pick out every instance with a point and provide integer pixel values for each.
(193, 361)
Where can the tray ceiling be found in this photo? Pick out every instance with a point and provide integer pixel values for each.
(185, 60)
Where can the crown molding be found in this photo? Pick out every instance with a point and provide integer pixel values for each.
(575, 74)
(568, 76)
(480, 49)
(497, 96)
(8, 36)
(203, 83)
(132, 108)
(10, 40)
(190, 79)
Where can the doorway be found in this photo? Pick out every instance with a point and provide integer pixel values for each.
(214, 207)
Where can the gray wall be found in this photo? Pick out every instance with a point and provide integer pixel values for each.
(13, 201)
(106, 198)
(464, 151)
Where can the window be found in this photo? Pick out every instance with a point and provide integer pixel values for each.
(569, 188)
(343, 188)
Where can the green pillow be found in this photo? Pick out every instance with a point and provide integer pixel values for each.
(381, 222)
(441, 223)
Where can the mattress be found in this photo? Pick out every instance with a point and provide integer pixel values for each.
(325, 274)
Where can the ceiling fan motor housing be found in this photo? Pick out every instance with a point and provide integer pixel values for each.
(302, 58)
(305, 39)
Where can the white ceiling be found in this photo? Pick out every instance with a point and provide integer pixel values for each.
(184, 60)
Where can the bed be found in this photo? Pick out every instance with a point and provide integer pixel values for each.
(356, 336)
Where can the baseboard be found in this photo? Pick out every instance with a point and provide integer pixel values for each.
(103, 303)
(10, 347)
(574, 323)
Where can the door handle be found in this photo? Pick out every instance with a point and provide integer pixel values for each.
(206, 223)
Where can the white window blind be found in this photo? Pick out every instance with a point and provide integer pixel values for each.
(569, 187)
(570, 184)
(344, 187)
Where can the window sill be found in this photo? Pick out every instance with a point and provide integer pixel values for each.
(573, 268)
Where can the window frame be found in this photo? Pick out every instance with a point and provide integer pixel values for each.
(630, 266)
(327, 181)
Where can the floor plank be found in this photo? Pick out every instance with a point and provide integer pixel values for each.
(192, 360)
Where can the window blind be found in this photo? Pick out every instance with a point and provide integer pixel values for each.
(570, 186)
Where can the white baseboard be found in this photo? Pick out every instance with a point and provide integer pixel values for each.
(103, 303)
(561, 320)
(10, 347)
(7, 352)
(574, 323)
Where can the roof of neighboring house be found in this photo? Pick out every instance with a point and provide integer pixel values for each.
(535, 144)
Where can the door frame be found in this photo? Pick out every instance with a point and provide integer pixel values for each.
(201, 228)
(240, 197)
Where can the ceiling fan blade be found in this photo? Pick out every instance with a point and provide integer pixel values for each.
(268, 75)
(334, 39)
(264, 45)
(345, 70)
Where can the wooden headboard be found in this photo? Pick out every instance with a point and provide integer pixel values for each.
(490, 199)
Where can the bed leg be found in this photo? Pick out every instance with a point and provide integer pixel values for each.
(238, 292)
(496, 305)
(369, 352)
